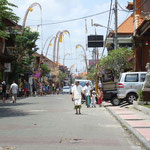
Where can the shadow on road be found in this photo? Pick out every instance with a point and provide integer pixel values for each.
(10, 112)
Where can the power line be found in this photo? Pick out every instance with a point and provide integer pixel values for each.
(108, 25)
(70, 20)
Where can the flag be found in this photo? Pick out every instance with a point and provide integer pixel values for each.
(77, 46)
(30, 9)
(60, 38)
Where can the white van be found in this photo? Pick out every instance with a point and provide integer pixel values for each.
(83, 82)
(129, 84)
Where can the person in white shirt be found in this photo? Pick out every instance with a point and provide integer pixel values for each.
(14, 90)
(76, 96)
(93, 99)
(87, 92)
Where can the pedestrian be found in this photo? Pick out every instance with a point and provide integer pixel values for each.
(100, 84)
(87, 92)
(20, 87)
(28, 88)
(93, 99)
(100, 96)
(53, 88)
(25, 86)
(76, 97)
(14, 90)
(34, 87)
(4, 95)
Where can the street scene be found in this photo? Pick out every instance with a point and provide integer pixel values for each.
(75, 75)
(49, 122)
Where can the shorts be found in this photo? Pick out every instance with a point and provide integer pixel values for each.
(4, 94)
(14, 96)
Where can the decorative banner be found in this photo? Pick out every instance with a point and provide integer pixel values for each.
(7, 67)
(36, 74)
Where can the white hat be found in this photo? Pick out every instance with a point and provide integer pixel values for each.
(4, 82)
(93, 91)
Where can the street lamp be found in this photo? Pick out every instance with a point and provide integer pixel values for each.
(79, 45)
(64, 58)
(99, 25)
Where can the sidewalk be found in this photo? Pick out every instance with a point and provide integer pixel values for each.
(135, 120)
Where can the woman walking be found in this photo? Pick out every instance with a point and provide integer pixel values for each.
(4, 91)
(100, 96)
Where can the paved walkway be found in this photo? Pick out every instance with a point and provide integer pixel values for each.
(134, 120)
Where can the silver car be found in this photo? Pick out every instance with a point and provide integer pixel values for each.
(129, 84)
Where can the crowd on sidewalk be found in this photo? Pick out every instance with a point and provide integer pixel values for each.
(22, 88)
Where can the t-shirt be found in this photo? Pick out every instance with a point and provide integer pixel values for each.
(87, 90)
(77, 91)
(3, 88)
(14, 88)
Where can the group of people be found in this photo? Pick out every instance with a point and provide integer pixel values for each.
(91, 96)
(13, 90)
(23, 89)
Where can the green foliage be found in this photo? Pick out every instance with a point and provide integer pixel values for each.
(25, 46)
(117, 61)
(44, 70)
(92, 74)
(61, 76)
(6, 13)
(140, 97)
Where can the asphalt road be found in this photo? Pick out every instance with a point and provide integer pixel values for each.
(50, 123)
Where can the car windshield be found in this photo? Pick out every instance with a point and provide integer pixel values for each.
(83, 83)
(66, 87)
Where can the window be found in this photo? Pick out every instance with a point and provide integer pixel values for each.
(131, 78)
(142, 78)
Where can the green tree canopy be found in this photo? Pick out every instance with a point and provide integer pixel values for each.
(61, 76)
(6, 12)
(117, 61)
(44, 70)
(25, 46)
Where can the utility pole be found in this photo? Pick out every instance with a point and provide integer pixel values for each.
(116, 26)
(134, 23)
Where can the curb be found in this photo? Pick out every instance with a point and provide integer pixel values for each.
(141, 108)
(138, 136)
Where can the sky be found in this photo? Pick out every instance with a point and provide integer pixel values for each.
(54, 11)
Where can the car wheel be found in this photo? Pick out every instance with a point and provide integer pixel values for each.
(131, 97)
(115, 101)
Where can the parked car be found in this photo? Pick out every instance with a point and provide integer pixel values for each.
(111, 96)
(129, 85)
(83, 82)
(66, 90)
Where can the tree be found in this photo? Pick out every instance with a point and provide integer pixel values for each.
(92, 74)
(25, 46)
(44, 70)
(61, 76)
(117, 61)
(6, 13)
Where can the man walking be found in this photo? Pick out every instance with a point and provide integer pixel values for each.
(76, 96)
(14, 90)
(87, 92)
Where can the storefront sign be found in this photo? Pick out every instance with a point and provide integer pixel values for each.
(7, 67)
